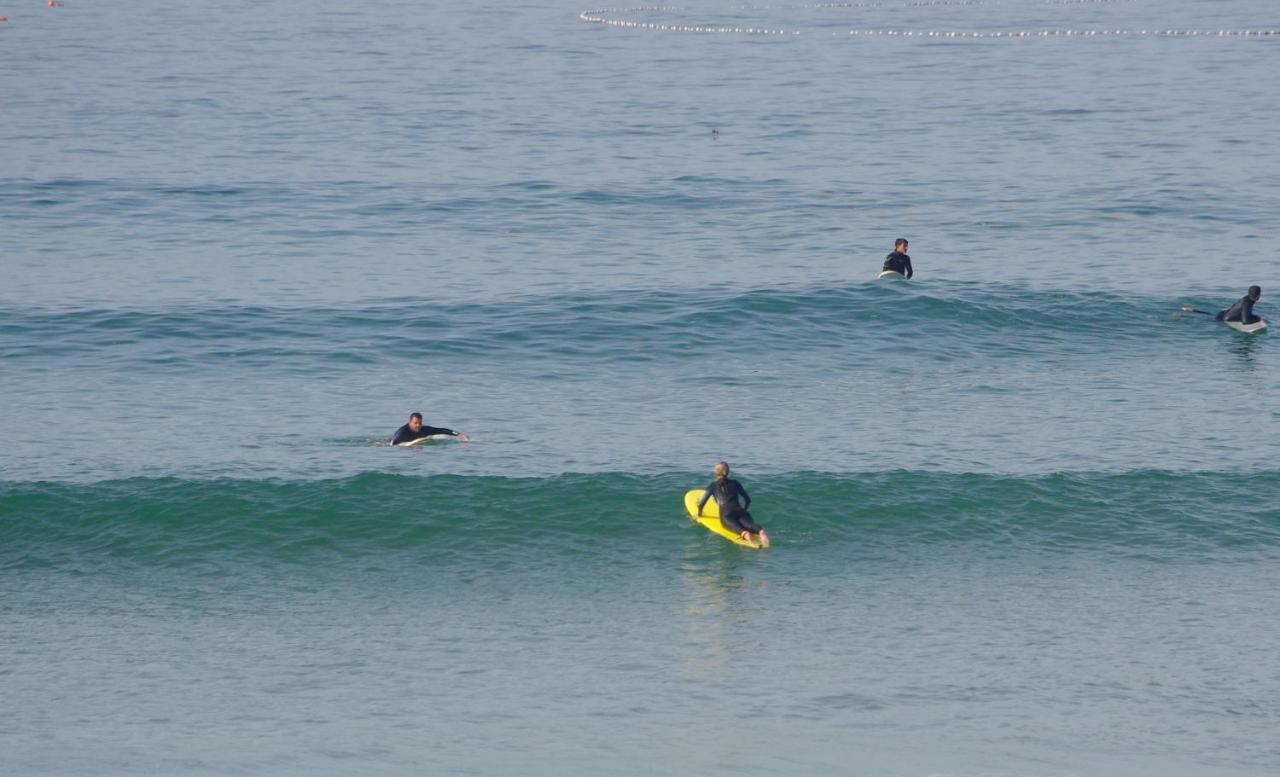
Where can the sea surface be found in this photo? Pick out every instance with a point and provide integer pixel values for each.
(1025, 511)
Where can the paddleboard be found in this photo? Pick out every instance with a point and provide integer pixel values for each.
(430, 437)
(1256, 326)
(711, 517)
(894, 274)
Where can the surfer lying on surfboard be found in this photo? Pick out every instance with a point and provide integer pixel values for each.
(898, 261)
(414, 430)
(734, 516)
(1242, 311)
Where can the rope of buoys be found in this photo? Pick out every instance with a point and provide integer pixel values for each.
(600, 17)
(610, 17)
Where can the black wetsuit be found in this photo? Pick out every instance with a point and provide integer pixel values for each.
(898, 262)
(734, 516)
(405, 434)
(1242, 311)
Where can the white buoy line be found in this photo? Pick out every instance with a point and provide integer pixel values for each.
(610, 17)
(604, 17)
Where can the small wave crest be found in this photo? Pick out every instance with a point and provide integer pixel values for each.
(601, 328)
(177, 523)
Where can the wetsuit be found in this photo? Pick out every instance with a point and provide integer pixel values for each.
(898, 262)
(734, 516)
(1242, 311)
(405, 434)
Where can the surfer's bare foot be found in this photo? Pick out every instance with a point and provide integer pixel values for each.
(764, 540)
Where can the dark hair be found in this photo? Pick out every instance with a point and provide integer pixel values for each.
(1255, 291)
(900, 242)
(415, 415)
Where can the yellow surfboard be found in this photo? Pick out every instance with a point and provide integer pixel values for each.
(711, 517)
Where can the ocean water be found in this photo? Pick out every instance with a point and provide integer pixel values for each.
(1024, 509)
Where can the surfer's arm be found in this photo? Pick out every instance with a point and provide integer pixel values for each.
(427, 431)
(746, 498)
(909, 272)
(705, 496)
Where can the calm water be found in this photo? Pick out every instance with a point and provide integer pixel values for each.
(1024, 510)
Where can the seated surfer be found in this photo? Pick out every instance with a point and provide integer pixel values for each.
(1242, 311)
(898, 261)
(414, 430)
(734, 516)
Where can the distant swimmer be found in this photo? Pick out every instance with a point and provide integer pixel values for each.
(898, 261)
(733, 515)
(1242, 311)
(414, 431)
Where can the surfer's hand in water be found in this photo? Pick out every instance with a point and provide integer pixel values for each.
(464, 437)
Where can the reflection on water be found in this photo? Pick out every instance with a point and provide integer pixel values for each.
(1245, 347)
(719, 609)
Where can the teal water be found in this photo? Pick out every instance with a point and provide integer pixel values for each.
(852, 377)
(1023, 508)
(171, 524)
(474, 622)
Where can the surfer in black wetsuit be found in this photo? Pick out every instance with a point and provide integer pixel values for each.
(898, 261)
(414, 430)
(1242, 311)
(734, 516)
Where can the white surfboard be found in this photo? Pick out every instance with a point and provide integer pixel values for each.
(421, 440)
(1256, 326)
(892, 274)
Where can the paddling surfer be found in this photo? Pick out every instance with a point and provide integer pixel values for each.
(897, 260)
(733, 515)
(1242, 311)
(414, 430)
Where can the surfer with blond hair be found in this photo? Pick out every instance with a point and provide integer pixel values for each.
(733, 515)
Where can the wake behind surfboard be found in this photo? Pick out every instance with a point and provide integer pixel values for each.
(711, 517)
